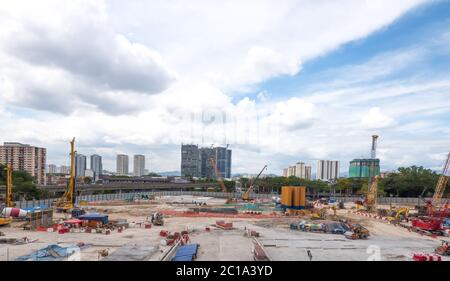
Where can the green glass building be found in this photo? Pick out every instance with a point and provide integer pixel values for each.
(364, 168)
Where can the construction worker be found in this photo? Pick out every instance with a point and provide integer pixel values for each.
(309, 255)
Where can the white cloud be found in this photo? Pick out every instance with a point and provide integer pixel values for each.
(74, 55)
(259, 64)
(293, 114)
(375, 119)
(224, 41)
(117, 93)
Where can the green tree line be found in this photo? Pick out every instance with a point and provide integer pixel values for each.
(23, 186)
(405, 182)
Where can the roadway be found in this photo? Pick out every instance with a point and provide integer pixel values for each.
(88, 188)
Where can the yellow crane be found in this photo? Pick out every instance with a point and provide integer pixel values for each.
(246, 195)
(372, 194)
(441, 184)
(8, 195)
(372, 188)
(218, 174)
(67, 201)
(9, 202)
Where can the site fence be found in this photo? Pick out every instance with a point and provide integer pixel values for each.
(135, 195)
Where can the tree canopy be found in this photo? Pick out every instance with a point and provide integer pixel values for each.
(22, 185)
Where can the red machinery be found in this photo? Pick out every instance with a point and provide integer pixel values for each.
(444, 249)
(433, 222)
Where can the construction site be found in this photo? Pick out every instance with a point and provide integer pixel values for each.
(151, 226)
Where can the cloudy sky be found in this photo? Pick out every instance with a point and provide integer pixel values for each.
(279, 81)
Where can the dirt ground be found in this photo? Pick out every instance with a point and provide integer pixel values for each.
(386, 242)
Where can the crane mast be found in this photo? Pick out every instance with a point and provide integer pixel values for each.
(372, 195)
(218, 174)
(373, 151)
(372, 187)
(67, 202)
(9, 183)
(442, 183)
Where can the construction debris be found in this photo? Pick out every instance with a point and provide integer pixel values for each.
(17, 241)
(224, 225)
(131, 253)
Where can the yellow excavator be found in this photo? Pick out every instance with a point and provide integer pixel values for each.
(67, 202)
(9, 202)
(246, 195)
(399, 215)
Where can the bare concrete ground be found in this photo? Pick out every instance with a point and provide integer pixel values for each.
(392, 243)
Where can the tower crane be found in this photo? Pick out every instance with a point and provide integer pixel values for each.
(67, 201)
(246, 195)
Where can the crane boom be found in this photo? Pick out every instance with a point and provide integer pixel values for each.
(246, 195)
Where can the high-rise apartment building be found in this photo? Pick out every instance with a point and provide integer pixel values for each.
(80, 165)
(190, 161)
(64, 170)
(24, 157)
(196, 162)
(206, 168)
(299, 170)
(138, 165)
(364, 168)
(96, 166)
(52, 169)
(122, 164)
(327, 170)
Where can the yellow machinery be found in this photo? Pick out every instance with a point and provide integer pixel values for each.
(218, 175)
(5, 221)
(442, 183)
(8, 195)
(9, 202)
(67, 202)
(246, 195)
(400, 214)
(321, 214)
(372, 194)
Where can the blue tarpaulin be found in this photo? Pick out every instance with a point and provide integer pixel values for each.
(186, 253)
(36, 208)
(95, 217)
(50, 253)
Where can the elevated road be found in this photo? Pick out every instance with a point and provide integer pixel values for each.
(126, 187)
(130, 187)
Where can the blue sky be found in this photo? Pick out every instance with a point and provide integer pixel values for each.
(279, 82)
(422, 24)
